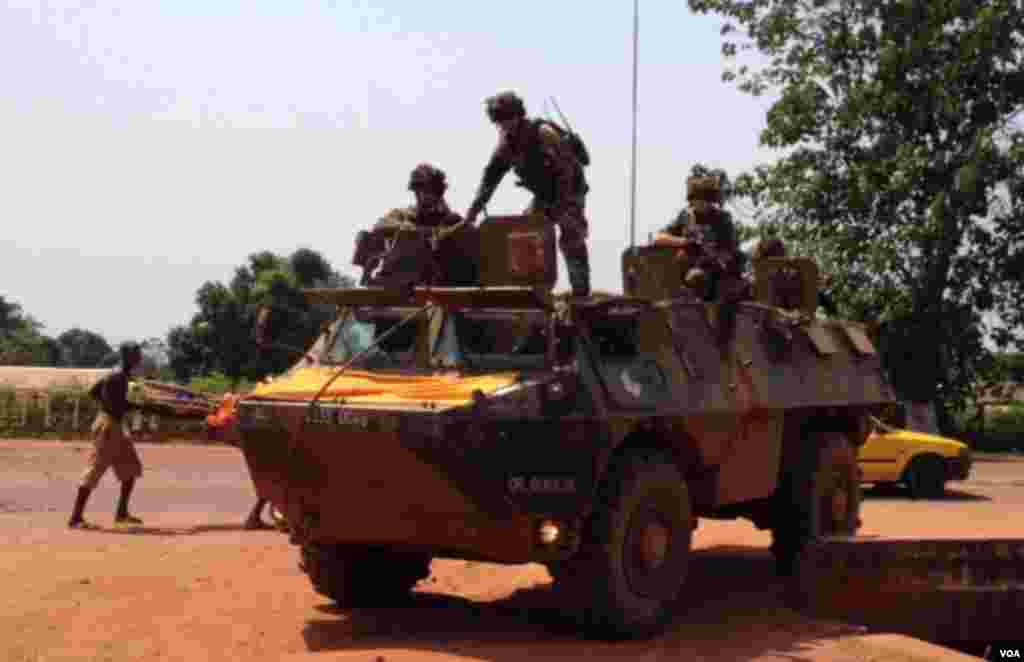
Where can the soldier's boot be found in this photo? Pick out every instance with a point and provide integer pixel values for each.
(254, 522)
(122, 515)
(577, 263)
(77, 520)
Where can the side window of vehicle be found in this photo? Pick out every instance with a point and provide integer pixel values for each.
(615, 337)
(632, 378)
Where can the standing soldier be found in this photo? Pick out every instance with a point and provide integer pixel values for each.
(111, 448)
(549, 163)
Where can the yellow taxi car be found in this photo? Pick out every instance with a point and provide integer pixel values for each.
(923, 462)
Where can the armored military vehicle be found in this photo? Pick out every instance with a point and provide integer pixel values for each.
(504, 423)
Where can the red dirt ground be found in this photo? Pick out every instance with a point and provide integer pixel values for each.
(191, 585)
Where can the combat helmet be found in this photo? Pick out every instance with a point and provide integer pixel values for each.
(429, 177)
(704, 187)
(505, 106)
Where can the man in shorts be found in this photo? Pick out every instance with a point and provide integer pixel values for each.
(111, 447)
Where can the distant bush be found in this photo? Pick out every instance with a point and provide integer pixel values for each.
(71, 414)
(218, 384)
(1002, 431)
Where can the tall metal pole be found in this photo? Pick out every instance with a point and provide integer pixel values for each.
(632, 200)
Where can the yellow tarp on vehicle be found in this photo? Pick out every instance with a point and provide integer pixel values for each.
(362, 387)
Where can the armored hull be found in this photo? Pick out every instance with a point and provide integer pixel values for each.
(504, 424)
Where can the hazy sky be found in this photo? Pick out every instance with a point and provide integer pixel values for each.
(149, 147)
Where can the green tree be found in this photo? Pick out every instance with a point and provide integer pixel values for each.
(219, 338)
(902, 170)
(22, 341)
(1012, 366)
(10, 316)
(83, 348)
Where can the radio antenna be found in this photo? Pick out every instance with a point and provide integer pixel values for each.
(632, 199)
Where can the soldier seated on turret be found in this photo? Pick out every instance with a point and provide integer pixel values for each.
(423, 243)
(787, 284)
(706, 236)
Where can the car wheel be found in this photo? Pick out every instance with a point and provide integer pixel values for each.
(926, 477)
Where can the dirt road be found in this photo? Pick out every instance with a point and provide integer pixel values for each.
(191, 585)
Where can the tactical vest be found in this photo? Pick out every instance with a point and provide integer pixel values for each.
(533, 167)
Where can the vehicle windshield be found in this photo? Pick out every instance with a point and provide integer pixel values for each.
(357, 330)
(488, 341)
(469, 340)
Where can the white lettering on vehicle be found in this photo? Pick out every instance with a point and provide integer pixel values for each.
(541, 485)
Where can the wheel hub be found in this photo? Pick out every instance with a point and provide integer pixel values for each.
(653, 544)
(839, 507)
(652, 564)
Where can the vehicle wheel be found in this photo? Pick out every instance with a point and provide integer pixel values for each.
(819, 496)
(926, 477)
(632, 562)
(837, 488)
(362, 577)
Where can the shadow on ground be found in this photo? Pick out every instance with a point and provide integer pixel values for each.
(731, 590)
(143, 530)
(902, 493)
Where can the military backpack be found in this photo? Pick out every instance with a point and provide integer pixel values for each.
(576, 144)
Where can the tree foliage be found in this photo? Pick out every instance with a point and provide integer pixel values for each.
(83, 348)
(1011, 366)
(22, 341)
(219, 337)
(903, 170)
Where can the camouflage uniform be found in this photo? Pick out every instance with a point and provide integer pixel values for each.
(787, 284)
(455, 265)
(716, 261)
(547, 166)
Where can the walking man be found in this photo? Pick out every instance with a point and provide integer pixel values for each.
(111, 447)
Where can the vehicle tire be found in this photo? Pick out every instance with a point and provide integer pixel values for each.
(362, 577)
(820, 496)
(631, 566)
(837, 488)
(926, 477)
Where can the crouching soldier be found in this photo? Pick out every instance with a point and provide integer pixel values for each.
(787, 283)
(707, 238)
(111, 447)
(437, 252)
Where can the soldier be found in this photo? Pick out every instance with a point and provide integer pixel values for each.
(787, 285)
(706, 236)
(549, 164)
(429, 184)
(111, 448)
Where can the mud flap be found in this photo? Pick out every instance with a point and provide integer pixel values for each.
(938, 590)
